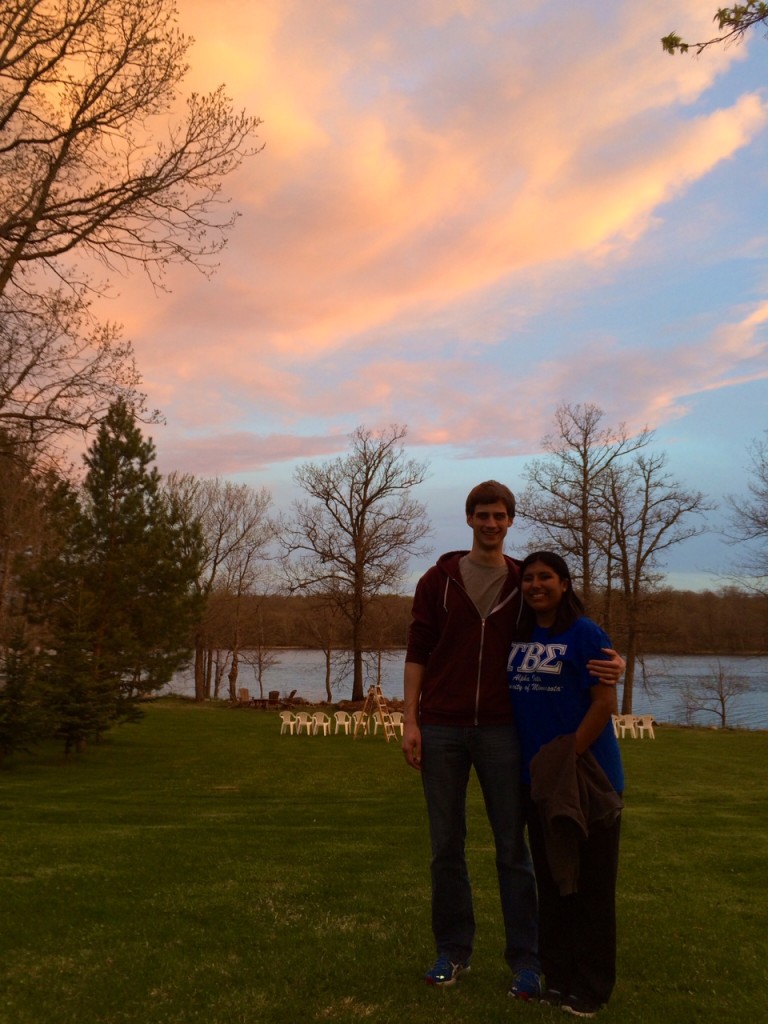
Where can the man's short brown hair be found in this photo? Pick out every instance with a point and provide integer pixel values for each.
(488, 493)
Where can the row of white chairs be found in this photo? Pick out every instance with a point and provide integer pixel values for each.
(635, 725)
(313, 724)
(319, 723)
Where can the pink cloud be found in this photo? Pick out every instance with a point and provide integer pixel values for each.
(421, 159)
(226, 454)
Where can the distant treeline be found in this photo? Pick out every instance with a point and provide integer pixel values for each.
(275, 621)
(728, 621)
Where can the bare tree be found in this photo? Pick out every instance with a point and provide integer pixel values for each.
(749, 521)
(58, 371)
(244, 571)
(98, 157)
(327, 627)
(354, 535)
(259, 655)
(646, 512)
(601, 498)
(237, 531)
(220, 660)
(93, 154)
(382, 626)
(560, 487)
(714, 695)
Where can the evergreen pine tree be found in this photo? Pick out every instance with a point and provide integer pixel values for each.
(119, 597)
(23, 717)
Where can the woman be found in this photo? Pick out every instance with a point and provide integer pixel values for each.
(573, 780)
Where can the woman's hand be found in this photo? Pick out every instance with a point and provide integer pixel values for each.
(607, 671)
(597, 717)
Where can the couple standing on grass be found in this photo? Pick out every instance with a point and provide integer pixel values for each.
(505, 674)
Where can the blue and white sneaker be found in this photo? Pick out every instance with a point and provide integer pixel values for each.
(526, 985)
(445, 972)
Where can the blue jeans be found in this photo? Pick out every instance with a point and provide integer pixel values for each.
(448, 753)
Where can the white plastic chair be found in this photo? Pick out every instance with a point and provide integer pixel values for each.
(626, 724)
(321, 723)
(396, 718)
(343, 721)
(303, 721)
(360, 719)
(644, 724)
(287, 722)
(615, 721)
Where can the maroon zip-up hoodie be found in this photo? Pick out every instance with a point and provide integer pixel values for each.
(465, 656)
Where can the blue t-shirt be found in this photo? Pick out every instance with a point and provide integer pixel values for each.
(549, 687)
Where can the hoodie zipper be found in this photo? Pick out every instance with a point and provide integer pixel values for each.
(479, 670)
(495, 608)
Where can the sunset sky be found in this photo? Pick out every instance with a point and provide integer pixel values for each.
(465, 213)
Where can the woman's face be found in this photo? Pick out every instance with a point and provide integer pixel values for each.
(543, 590)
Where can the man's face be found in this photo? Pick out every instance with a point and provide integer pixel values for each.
(489, 525)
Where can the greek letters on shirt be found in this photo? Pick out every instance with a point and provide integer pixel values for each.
(536, 660)
(538, 657)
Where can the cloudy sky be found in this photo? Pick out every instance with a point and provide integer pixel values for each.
(465, 213)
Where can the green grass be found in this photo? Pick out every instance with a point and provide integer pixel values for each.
(199, 867)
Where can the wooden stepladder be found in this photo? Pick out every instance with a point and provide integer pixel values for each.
(376, 705)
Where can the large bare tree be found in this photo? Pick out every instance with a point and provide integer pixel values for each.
(646, 512)
(559, 496)
(601, 496)
(99, 156)
(352, 538)
(94, 152)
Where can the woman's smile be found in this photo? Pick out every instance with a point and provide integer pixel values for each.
(543, 590)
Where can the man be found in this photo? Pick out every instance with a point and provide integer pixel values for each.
(458, 716)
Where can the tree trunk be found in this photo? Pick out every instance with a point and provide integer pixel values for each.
(357, 677)
(233, 673)
(629, 673)
(358, 617)
(208, 672)
(220, 667)
(357, 659)
(327, 653)
(199, 668)
(234, 668)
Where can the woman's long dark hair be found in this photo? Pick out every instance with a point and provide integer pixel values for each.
(568, 611)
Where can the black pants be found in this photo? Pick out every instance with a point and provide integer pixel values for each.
(577, 933)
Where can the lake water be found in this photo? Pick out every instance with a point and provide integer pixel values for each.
(661, 695)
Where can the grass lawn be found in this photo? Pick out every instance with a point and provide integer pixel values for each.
(199, 867)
